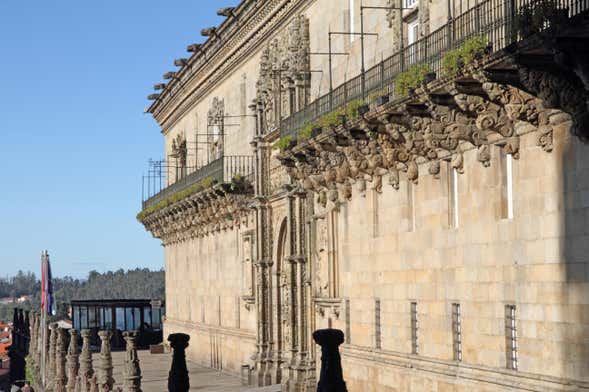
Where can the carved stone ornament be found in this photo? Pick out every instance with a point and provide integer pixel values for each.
(439, 122)
(179, 149)
(284, 66)
(207, 212)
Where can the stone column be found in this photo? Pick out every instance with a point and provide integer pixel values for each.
(60, 359)
(105, 380)
(51, 356)
(73, 364)
(178, 380)
(86, 371)
(132, 370)
(331, 375)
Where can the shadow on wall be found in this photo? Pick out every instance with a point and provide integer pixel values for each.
(574, 253)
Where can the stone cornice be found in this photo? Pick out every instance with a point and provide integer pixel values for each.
(207, 212)
(260, 22)
(236, 332)
(475, 373)
(438, 122)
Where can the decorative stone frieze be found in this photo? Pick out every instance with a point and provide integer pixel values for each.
(284, 82)
(223, 207)
(438, 122)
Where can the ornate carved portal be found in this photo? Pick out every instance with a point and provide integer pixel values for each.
(216, 129)
(284, 81)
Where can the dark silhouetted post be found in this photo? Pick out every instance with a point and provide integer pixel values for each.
(178, 380)
(331, 378)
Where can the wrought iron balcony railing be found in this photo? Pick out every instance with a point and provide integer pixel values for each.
(164, 180)
(497, 20)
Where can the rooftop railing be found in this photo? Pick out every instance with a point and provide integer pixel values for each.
(160, 182)
(494, 19)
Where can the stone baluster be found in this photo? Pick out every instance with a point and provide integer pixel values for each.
(60, 360)
(86, 370)
(178, 380)
(73, 363)
(51, 356)
(132, 372)
(105, 380)
(331, 377)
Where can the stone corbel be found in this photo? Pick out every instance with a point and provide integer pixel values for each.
(326, 307)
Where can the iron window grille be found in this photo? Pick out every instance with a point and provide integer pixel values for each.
(510, 337)
(457, 332)
(414, 329)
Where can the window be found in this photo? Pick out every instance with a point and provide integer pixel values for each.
(409, 3)
(84, 317)
(107, 320)
(506, 167)
(457, 332)
(147, 316)
(412, 37)
(510, 337)
(414, 329)
(452, 197)
(120, 316)
(377, 326)
(348, 326)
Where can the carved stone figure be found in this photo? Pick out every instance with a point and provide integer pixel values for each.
(215, 128)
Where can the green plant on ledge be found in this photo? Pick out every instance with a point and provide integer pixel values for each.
(410, 79)
(176, 197)
(306, 132)
(472, 49)
(284, 143)
(332, 119)
(352, 109)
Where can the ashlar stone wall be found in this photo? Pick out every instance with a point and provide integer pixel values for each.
(401, 251)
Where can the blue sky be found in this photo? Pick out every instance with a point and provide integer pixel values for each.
(74, 76)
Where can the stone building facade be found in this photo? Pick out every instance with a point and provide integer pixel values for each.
(442, 226)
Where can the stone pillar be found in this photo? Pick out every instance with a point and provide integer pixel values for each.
(51, 356)
(178, 380)
(331, 375)
(105, 380)
(86, 371)
(73, 364)
(132, 372)
(60, 360)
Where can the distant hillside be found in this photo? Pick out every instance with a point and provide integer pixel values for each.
(131, 284)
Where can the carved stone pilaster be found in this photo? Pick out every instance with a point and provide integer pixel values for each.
(105, 380)
(86, 371)
(132, 372)
(73, 363)
(394, 17)
(284, 81)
